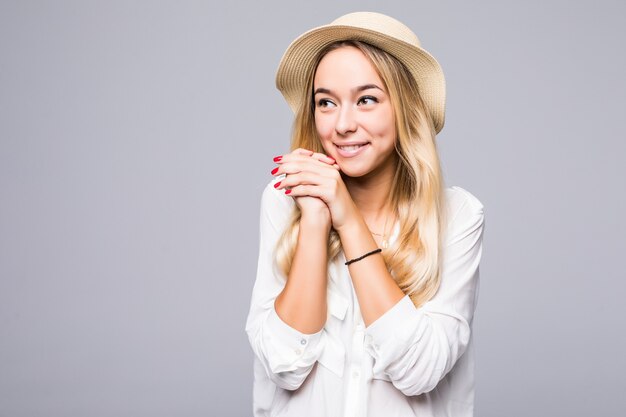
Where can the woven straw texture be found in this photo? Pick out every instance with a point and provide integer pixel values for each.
(376, 29)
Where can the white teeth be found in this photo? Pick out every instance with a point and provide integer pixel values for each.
(350, 147)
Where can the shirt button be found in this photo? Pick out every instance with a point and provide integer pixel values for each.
(298, 351)
(376, 347)
(303, 342)
(355, 374)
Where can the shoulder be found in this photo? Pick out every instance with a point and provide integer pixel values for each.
(460, 200)
(465, 212)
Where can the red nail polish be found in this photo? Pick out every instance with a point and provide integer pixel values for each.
(275, 170)
(288, 192)
(277, 184)
(278, 158)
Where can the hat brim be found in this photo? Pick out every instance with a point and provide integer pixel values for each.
(296, 63)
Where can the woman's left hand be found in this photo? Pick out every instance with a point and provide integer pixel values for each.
(317, 175)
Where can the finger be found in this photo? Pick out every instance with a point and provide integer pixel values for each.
(301, 178)
(315, 155)
(299, 151)
(303, 156)
(302, 151)
(323, 158)
(304, 191)
(297, 154)
(305, 165)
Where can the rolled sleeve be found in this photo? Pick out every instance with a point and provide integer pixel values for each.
(286, 354)
(391, 325)
(415, 348)
(409, 348)
(289, 349)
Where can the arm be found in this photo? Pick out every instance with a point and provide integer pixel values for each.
(288, 347)
(302, 303)
(416, 347)
(374, 286)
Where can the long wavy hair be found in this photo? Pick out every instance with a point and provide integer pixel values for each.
(416, 196)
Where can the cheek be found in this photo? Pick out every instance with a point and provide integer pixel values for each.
(387, 129)
(324, 127)
(324, 131)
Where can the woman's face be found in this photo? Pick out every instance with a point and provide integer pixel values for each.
(353, 113)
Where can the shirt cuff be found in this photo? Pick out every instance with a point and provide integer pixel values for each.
(391, 326)
(291, 349)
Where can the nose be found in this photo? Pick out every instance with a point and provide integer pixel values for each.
(346, 121)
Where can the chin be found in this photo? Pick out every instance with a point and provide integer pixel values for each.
(352, 172)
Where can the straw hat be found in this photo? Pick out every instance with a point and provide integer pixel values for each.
(375, 29)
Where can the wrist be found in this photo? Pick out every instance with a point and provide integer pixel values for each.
(319, 220)
(350, 226)
(352, 220)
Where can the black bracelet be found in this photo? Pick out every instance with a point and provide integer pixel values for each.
(364, 256)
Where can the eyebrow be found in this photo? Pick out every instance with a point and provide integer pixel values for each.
(356, 89)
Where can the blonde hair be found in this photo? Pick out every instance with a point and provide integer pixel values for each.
(414, 259)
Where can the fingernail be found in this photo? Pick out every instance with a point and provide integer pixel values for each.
(277, 184)
(275, 170)
(288, 192)
(278, 158)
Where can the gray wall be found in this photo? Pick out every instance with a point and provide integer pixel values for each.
(135, 140)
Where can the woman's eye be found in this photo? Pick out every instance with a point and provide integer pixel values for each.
(367, 100)
(324, 102)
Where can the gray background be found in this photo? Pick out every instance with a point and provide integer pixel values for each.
(135, 140)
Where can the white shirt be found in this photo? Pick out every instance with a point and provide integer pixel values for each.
(409, 362)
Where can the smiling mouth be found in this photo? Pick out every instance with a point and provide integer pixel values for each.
(351, 147)
(350, 150)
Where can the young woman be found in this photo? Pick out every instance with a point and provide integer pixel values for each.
(367, 278)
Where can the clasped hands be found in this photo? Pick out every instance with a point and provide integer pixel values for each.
(315, 182)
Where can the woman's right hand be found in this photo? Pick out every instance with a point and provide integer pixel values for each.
(314, 210)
